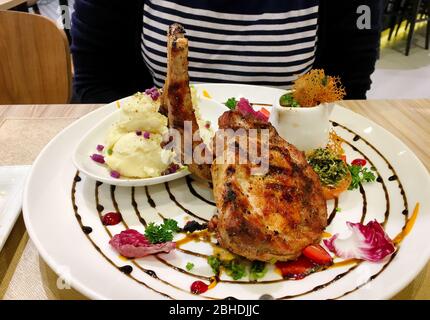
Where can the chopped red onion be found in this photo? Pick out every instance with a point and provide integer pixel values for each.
(100, 147)
(115, 174)
(98, 158)
(153, 92)
(146, 135)
(138, 133)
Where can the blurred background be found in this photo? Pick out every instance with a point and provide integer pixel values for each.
(403, 68)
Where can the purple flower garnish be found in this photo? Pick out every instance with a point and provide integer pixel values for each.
(98, 158)
(146, 135)
(153, 92)
(115, 174)
(100, 147)
(138, 133)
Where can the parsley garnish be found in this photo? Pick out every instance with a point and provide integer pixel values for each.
(231, 103)
(189, 266)
(257, 271)
(215, 263)
(235, 269)
(287, 100)
(359, 175)
(162, 232)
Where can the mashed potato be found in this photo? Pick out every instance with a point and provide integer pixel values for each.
(140, 112)
(133, 142)
(138, 157)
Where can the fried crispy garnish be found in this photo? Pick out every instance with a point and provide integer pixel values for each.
(315, 87)
(335, 144)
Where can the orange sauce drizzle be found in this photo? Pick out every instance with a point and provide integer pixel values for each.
(409, 225)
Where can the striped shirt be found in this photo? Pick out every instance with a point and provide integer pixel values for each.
(268, 42)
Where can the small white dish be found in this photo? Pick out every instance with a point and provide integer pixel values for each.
(12, 180)
(306, 128)
(209, 109)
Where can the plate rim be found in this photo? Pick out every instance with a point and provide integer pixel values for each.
(90, 293)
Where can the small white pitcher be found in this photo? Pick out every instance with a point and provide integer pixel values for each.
(305, 128)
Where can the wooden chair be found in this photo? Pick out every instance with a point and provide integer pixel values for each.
(35, 65)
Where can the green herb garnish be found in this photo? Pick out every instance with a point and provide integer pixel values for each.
(257, 271)
(287, 100)
(215, 263)
(338, 209)
(231, 103)
(359, 175)
(109, 152)
(162, 232)
(189, 266)
(328, 166)
(235, 269)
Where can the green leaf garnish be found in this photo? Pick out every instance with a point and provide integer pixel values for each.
(287, 100)
(235, 269)
(215, 264)
(189, 266)
(231, 103)
(162, 232)
(257, 271)
(109, 152)
(359, 175)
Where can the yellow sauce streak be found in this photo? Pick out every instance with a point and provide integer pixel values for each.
(123, 258)
(326, 235)
(118, 105)
(344, 263)
(195, 236)
(206, 94)
(213, 283)
(409, 225)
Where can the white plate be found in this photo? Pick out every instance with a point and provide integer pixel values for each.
(97, 135)
(91, 266)
(11, 188)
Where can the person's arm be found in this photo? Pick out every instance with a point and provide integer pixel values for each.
(345, 50)
(106, 50)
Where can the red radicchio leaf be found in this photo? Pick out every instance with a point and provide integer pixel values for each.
(367, 242)
(132, 244)
(245, 108)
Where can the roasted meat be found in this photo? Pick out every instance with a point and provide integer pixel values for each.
(273, 216)
(176, 99)
(266, 217)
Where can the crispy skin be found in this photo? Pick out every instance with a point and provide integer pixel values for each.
(273, 216)
(268, 217)
(176, 99)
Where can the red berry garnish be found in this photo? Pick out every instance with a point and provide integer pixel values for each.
(359, 162)
(199, 287)
(111, 218)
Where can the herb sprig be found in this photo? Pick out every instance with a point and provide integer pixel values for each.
(359, 175)
(231, 103)
(159, 233)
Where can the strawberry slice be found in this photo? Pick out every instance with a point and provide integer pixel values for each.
(317, 254)
(297, 269)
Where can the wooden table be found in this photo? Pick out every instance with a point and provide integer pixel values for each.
(9, 4)
(23, 275)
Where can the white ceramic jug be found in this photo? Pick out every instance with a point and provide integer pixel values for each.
(306, 128)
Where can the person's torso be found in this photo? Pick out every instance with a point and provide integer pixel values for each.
(243, 41)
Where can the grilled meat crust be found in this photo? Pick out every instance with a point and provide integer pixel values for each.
(176, 99)
(272, 216)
